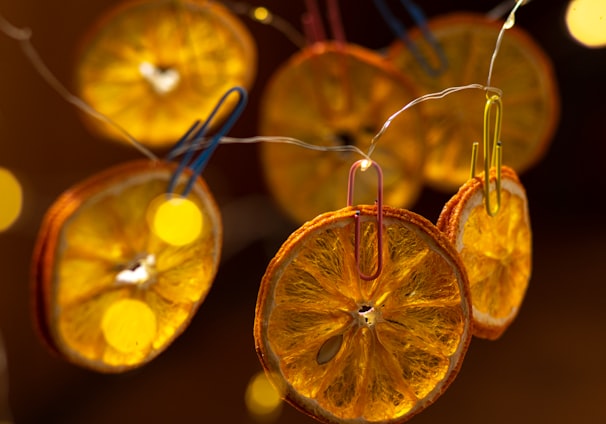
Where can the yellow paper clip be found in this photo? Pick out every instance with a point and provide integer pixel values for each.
(494, 101)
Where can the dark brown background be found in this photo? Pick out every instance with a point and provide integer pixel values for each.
(549, 367)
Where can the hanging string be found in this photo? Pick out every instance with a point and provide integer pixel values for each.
(23, 37)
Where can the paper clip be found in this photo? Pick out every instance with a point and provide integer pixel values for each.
(193, 138)
(400, 31)
(316, 33)
(365, 164)
(493, 101)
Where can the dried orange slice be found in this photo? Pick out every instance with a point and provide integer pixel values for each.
(346, 350)
(496, 251)
(110, 292)
(331, 94)
(154, 67)
(522, 70)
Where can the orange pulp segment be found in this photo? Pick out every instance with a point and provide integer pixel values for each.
(110, 293)
(522, 70)
(350, 351)
(496, 251)
(155, 67)
(331, 94)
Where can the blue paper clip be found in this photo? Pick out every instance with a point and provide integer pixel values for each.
(194, 138)
(400, 31)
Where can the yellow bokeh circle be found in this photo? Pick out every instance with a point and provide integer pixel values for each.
(176, 220)
(586, 22)
(12, 199)
(129, 325)
(262, 399)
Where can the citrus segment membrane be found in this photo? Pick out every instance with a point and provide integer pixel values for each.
(346, 350)
(331, 94)
(111, 293)
(496, 251)
(155, 67)
(523, 72)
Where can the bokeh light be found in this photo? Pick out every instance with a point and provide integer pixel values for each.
(176, 220)
(12, 199)
(129, 325)
(262, 400)
(586, 22)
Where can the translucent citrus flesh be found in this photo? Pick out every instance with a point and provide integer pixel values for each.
(103, 263)
(348, 349)
(328, 95)
(496, 251)
(521, 70)
(156, 67)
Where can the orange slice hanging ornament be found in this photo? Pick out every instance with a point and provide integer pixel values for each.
(496, 251)
(334, 93)
(124, 259)
(153, 67)
(522, 70)
(363, 315)
(489, 224)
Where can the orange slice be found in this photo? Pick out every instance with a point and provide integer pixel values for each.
(330, 95)
(111, 293)
(155, 67)
(496, 251)
(346, 350)
(522, 70)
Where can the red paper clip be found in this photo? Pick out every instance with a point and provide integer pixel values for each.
(365, 164)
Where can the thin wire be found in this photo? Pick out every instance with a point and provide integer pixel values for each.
(501, 9)
(23, 37)
(279, 140)
(430, 96)
(509, 22)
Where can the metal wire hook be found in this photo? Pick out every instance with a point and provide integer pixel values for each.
(365, 164)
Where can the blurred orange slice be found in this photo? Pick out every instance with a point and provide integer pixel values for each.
(154, 67)
(110, 293)
(496, 251)
(346, 350)
(331, 94)
(522, 70)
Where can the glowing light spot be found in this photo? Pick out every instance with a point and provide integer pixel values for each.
(262, 399)
(365, 164)
(129, 325)
(261, 14)
(176, 220)
(162, 80)
(12, 199)
(586, 22)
